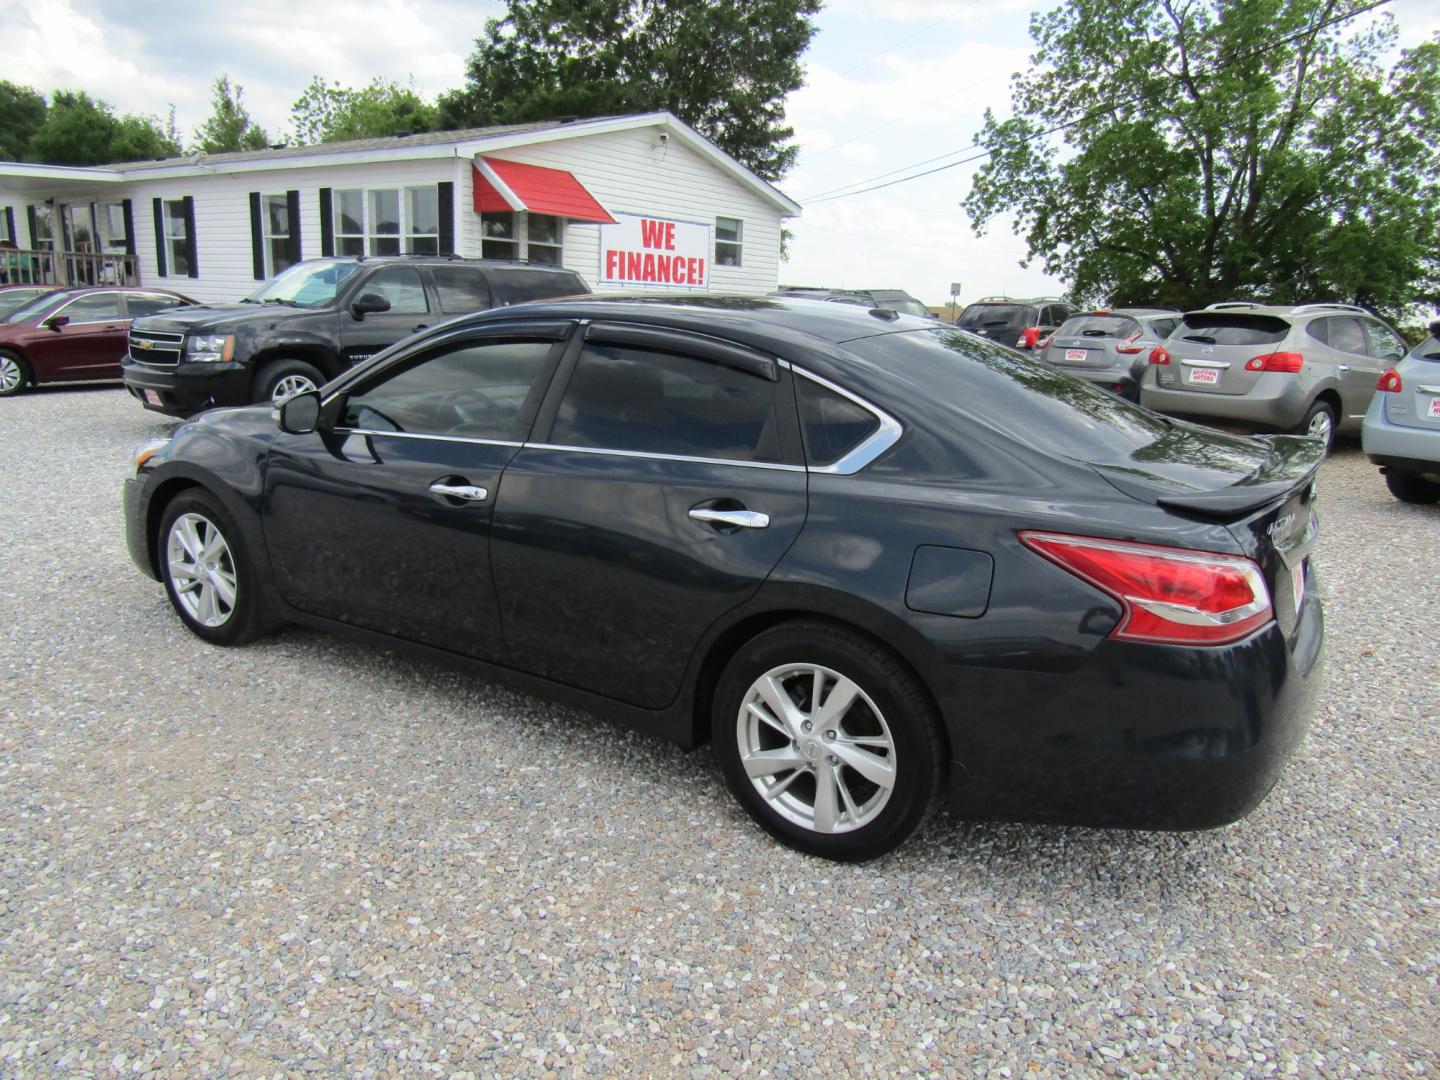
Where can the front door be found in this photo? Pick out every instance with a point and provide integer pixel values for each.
(669, 485)
(89, 345)
(384, 520)
(410, 310)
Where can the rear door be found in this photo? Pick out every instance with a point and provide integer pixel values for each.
(662, 484)
(1210, 349)
(410, 310)
(1347, 359)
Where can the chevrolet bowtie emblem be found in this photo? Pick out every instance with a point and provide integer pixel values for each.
(144, 344)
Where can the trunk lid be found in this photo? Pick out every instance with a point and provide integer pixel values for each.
(1090, 342)
(1209, 351)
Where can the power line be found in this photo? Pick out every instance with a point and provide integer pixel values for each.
(841, 193)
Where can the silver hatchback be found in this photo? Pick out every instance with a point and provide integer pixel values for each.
(1110, 348)
(1401, 433)
(1310, 368)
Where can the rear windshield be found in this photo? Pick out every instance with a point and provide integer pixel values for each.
(1099, 326)
(1027, 399)
(1429, 349)
(978, 316)
(1229, 328)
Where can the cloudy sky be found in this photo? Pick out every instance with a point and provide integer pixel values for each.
(889, 84)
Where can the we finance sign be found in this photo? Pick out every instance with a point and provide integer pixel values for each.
(654, 252)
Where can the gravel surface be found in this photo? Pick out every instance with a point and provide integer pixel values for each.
(307, 856)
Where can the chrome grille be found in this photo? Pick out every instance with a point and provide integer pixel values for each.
(154, 348)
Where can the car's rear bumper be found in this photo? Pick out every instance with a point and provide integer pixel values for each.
(1140, 736)
(187, 389)
(1276, 402)
(1394, 446)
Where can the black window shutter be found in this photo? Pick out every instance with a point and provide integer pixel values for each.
(447, 218)
(10, 226)
(160, 237)
(327, 226)
(127, 208)
(30, 217)
(189, 202)
(257, 237)
(292, 207)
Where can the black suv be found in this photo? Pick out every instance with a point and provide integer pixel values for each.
(1020, 324)
(313, 321)
(885, 299)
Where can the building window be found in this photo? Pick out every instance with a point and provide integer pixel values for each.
(422, 220)
(537, 237)
(42, 227)
(177, 245)
(350, 223)
(113, 235)
(728, 237)
(5, 218)
(383, 229)
(275, 226)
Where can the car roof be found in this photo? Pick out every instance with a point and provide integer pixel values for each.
(816, 319)
(446, 260)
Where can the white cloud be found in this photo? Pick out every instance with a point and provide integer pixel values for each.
(862, 153)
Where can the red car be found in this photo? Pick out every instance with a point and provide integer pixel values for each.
(73, 334)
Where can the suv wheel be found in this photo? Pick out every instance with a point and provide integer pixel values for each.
(828, 741)
(281, 379)
(1412, 489)
(13, 375)
(1320, 420)
(207, 573)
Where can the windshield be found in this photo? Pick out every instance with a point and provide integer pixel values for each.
(978, 316)
(34, 308)
(307, 284)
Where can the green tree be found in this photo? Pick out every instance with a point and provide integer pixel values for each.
(722, 66)
(329, 112)
(1184, 153)
(229, 126)
(22, 112)
(79, 130)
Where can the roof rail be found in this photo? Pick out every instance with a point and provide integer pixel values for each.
(1223, 304)
(1305, 309)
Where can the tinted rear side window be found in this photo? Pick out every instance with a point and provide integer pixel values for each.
(521, 285)
(833, 424)
(1227, 328)
(626, 398)
(981, 316)
(461, 289)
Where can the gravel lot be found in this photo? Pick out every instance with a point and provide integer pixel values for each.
(310, 856)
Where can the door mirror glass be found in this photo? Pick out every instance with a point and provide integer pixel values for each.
(369, 304)
(55, 322)
(298, 415)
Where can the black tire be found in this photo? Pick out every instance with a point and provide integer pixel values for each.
(1409, 488)
(14, 374)
(235, 623)
(277, 371)
(916, 744)
(1316, 410)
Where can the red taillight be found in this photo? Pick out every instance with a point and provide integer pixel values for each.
(1159, 356)
(1390, 382)
(1170, 595)
(1288, 362)
(1128, 346)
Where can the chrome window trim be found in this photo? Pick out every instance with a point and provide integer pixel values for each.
(881, 440)
(649, 456)
(471, 439)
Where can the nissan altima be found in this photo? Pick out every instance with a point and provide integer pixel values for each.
(883, 565)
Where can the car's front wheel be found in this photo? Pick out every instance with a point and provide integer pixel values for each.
(206, 571)
(1412, 489)
(281, 379)
(13, 376)
(828, 740)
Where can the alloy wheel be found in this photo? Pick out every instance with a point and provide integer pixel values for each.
(202, 570)
(10, 375)
(1320, 424)
(289, 386)
(816, 747)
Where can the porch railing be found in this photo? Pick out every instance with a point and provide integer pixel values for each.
(36, 266)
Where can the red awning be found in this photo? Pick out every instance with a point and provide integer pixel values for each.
(503, 186)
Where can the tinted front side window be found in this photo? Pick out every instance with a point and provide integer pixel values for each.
(625, 398)
(402, 286)
(1384, 344)
(461, 289)
(474, 390)
(1222, 328)
(833, 424)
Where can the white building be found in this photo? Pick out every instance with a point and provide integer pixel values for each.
(630, 203)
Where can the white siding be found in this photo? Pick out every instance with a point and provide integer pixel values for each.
(630, 173)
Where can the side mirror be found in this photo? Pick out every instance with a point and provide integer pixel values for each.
(369, 304)
(55, 322)
(298, 415)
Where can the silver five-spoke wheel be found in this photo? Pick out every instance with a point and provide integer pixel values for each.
(289, 386)
(1320, 424)
(816, 747)
(202, 569)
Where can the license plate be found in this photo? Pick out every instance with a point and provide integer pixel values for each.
(152, 396)
(1297, 584)
(1075, 356)
(1434, 410)
(1208, 376)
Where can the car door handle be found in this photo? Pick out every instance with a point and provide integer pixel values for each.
(467, 492)
(743, 519)
(419, 327)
